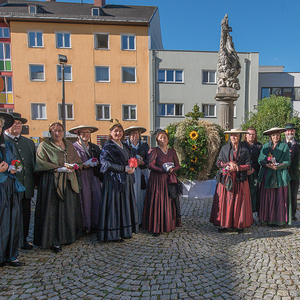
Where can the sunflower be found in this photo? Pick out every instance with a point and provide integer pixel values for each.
(166, 131)
(192, 169)
(194, 160)
(226, 137)
(194, 147)
(193, 135)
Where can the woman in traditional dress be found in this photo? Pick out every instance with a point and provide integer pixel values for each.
(161, 213)
(140, 151)
(90, 194)
(58, 213)
(254, 147)
(232, 202)
(10, 203)
(275, 201)
(118, 217)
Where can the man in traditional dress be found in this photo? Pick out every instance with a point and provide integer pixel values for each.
(25, 152)
(294, 171)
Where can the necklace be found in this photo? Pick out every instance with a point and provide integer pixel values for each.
(163, 150)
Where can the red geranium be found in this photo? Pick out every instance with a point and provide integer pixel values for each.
(133, 163)
(76, 167)
(16, 163)
(94, 159)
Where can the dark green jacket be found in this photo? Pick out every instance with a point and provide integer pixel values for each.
(282, 155)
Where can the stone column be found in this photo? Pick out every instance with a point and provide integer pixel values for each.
(226, 97)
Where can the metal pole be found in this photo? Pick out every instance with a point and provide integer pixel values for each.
(63, 108)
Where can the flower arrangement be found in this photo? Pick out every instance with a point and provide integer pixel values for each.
(15, 165)
(132, 162)
(92, 162)
(72, 166)
(167, 166)
(225, 171)
(271, 158)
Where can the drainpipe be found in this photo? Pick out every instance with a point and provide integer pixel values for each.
(153, 99)
(247, 83)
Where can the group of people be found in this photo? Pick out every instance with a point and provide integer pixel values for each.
(82, 189)
(257, 178)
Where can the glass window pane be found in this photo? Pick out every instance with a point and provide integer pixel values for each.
(211, 110)
(59, 72)
(59, 40)
(37, 72)
(43, 111)
(31, 39)
(297, 93)
(7, 51)
(9, 84)
(69, 111)
(67, 40)
(39, 39)
(178, 75)
(102, 74)
(170, 75)
(205, 76)
(178, 109)
(102, 41)
(6, 33)
(1, 51)
(161, 75)
(276, 91)
(125, 112)
(95, 12)
(170, 109)
(265, 93)
(3, 82)
(68, 73)
(161, 109)
(99, 112)
(131, 42)
(128, 74)
(1, 32)
(132, 113)
(287, 92)
(106, 112)
(35, 111)
(212, 76)
(124, 42)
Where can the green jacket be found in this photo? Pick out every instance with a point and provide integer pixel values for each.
(282, 155)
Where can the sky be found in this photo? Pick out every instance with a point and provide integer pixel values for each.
(270, 27)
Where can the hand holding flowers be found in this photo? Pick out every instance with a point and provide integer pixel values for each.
(92, 162)
(15, 166)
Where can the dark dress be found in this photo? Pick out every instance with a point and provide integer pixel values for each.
(159, 209)
(275, 200)
(232, 209)
(118, 217)
(90, 194)
(10, 212)
(58, 212)
(141, 177)
(254, 151)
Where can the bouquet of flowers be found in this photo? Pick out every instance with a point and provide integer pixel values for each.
(132, 162)
(72, 166)
(92, 162)
(224, 171)
(167, 166)
(16, 166)
(272, 159)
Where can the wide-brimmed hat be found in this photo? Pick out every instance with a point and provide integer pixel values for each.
(273, 130)
(290, 126)
(115, 122)
(235, 131)
(75, 130)
(132, 128)
(17, 116)
(8, 120)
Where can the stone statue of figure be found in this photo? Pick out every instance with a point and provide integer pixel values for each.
(229, 66)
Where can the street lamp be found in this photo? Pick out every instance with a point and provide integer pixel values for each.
(62, 59)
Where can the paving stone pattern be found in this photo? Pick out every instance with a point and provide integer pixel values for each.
(192, 262)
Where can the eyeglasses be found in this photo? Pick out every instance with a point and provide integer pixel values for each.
(82, 133)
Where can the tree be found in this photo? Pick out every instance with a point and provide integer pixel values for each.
(274, 111)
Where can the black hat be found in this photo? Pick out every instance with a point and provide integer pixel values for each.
(290, 126)
(8, 120)
(17, 116)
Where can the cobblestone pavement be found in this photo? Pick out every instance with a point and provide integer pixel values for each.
(192, 262)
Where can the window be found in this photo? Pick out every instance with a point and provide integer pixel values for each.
(170, 76)
(102, 74)
(68, 111)
(209, 110)
(5, 60)
(95, 12)
(38, 111)
(68, 73)
(208, 76)
(129, 112)
(170, 110)
(234, 110)
(35, 38)
(36, 73)
(101, 41)
(6, 95)
(265, 93)
(128, 42)
(32, 9)
(128, 74)
(296, 93)
(102, 112)
(63, 40)
(4, 32)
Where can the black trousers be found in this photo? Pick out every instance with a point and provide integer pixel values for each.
(294, 192)
(26, 209)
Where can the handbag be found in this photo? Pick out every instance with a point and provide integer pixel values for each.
(172, 178)
(143, 182)
(19, 187)
(229, 183)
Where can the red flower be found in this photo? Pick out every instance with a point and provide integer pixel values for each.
(133, 163)
(16, 162)
(76, 167)
(94, 159)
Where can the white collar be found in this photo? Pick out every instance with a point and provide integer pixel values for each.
(12, 136)
(135, 147)
(121, 146)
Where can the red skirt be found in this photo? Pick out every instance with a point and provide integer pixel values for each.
(232, 209)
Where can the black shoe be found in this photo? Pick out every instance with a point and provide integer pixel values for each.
(118, 241)
(15, 263)
(2, 264)
(56, 249)
(222, 229)
(294, 218)
(27, 246)
(156, 234)
(240, 230)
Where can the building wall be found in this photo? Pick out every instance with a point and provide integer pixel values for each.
(192, 91)
(83, 91)
(155, 39)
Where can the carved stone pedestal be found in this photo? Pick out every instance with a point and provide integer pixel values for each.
(226, 97)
